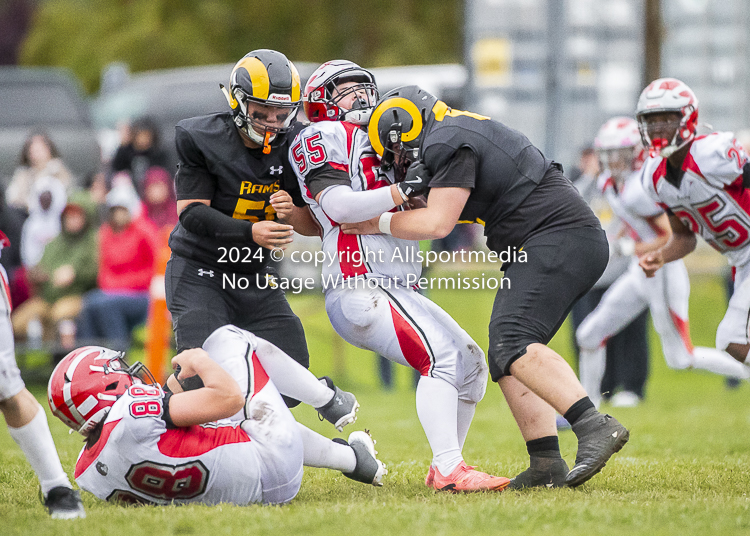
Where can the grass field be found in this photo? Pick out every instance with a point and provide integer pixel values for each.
(686, 469)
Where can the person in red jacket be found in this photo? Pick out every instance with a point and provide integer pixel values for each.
(127, 254)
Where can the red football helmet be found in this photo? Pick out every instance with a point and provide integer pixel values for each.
(668, 95)
(87, 382)
(321, 101)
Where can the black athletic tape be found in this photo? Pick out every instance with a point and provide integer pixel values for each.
(188, 384)
(207, 222)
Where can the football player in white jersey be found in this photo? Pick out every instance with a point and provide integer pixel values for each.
(645, 228)
(27, 421)
(218, 432)
(368, 296)
(701, 182)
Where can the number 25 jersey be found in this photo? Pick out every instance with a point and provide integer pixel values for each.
(710, 199)
(138, 459)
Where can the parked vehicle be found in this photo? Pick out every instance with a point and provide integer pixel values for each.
(49, 99)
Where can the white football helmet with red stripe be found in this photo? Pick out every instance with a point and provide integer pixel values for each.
(668, 95)
(321, 100)
(618, 144)
(87, 382)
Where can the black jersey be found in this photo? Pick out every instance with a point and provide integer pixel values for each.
(215, 164)
(516, 192)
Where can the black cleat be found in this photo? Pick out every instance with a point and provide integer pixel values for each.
(342, 408)
(599, 437)
(369, 469)
(543, 472)
(64, 503)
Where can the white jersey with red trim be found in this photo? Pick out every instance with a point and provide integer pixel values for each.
(710, 200)
(346, 147)
(138, 459)
(632, 205)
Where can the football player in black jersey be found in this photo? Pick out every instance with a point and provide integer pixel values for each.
(237, 198)
(479, 170)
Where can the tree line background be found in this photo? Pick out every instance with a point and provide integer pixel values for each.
(87, 35)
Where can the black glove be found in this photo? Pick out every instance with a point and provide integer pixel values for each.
(416, 180)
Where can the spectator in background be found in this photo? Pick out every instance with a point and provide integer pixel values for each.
(159, 200)
(97, 186)
(139, 151)
(127, 253)
(65, 272)
(39, 158)
(46, 203)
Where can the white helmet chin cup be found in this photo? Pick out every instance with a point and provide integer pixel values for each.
(357, 117)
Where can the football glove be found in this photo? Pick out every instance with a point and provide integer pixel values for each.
(416, 180)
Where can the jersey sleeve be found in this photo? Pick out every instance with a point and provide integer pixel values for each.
(319, 151)
(458, 172)
(639, 202)
(193, 180)
(142, 408)
(718, 158)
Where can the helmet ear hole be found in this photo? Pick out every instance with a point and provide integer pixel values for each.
(111, 386)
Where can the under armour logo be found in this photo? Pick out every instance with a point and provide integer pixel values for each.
(202, 272)
(277, 170)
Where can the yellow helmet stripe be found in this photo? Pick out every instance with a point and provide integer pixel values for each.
(296, 86)
(396, 102)
(258, 76)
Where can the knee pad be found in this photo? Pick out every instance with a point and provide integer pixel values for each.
(475, 382)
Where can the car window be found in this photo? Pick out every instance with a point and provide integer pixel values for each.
(47, 104)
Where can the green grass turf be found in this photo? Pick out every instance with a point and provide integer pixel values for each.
(686, 469)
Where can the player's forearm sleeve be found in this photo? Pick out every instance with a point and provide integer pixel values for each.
(344, 205)
(746, 175)
(207, 222)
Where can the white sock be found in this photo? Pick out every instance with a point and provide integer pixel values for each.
(591, 364)
(291, 378)
(465, 416)
(36, 443)
(322, 452)
(437, 408)
(719, 362)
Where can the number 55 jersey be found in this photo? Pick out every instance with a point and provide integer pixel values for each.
(139, 459)
(707, 194)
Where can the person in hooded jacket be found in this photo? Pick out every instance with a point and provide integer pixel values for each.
(66, 271)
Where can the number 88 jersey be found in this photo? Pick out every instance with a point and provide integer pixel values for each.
(138, 459)
(710, 199)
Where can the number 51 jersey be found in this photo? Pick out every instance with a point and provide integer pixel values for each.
(138, 459)
(710, 199)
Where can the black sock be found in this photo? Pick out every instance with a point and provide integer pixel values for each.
(576, 410)
(544, 447)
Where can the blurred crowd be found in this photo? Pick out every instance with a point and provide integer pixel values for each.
(86, 252)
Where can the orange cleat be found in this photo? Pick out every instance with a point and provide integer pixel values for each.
(430, 480)
(466, 479)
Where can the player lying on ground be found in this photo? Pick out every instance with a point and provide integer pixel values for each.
(479, 170)
(218, 431)
(666, 294)
(27, 421)
(339, 175)
(701, 181)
